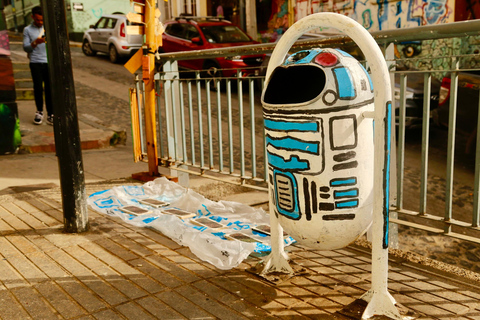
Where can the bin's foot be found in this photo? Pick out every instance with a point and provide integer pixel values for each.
(380, 303)
(277, 262)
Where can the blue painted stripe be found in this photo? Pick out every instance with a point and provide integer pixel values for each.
(293, 164)
(291, 126)
(343, 182)
(348, 193)
(346, 204)
(293, 145)
(346, 89)
(386, 196)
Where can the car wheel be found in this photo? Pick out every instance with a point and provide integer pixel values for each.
(113, 54)
(87, 49)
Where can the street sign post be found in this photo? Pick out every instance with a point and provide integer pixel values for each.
(145, 20)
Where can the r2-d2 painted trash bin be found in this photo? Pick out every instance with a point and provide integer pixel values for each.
(320, 147)
(328, 133)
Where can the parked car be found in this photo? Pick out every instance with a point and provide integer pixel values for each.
(109, 35)
(199, 33)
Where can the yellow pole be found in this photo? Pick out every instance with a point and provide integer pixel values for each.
(148, 66)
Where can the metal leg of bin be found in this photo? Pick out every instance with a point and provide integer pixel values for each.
(277, 260)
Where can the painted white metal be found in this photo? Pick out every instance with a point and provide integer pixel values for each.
(320, 156)
(380, 302)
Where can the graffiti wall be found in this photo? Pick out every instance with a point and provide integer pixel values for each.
(381, 14)
(80, 13)
(87, 12)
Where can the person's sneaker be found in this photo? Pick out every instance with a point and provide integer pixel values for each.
(50, 119)
(38, 118)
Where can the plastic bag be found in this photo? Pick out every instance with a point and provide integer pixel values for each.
(211, 245)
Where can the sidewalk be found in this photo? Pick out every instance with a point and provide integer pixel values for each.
(40, 138)
(118, 271)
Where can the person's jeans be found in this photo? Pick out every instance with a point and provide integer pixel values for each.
(41, 81)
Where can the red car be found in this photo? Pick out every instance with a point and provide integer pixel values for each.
(198, 33)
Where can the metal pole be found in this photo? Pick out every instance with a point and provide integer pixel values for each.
(150, 124)
(66, 131)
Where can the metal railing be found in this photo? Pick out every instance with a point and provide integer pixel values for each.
(214, 127)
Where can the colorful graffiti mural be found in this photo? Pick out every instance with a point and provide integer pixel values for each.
(80, 15)
(383, 14)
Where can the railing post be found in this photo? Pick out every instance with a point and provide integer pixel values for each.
(173, 119)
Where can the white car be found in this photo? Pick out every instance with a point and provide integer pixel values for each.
(109, 35)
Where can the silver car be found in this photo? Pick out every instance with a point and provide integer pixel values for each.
(109, 35)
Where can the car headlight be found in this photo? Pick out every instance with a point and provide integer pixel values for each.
(234, 58)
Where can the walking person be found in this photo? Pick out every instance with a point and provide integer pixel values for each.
(34, 45)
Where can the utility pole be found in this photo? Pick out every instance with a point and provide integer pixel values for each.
(66, 131)
(148, 77)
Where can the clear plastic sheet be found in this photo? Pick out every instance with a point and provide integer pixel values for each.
(211, 245)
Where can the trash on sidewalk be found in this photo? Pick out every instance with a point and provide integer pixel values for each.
(225, 245)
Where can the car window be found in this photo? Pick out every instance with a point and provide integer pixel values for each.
(176, 30)
(101, 23)
(191, 32)
(111, 23)
(224, 34)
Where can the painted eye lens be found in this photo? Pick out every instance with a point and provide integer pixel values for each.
(326, 59)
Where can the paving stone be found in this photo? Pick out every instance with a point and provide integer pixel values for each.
(107, 292)
(137, 248)
(109, 275)
(173, 269)
(22, 244)
(83, 296)
(159, 309)
(13, 221)
(21, 264)
(47, 265)
(25, 206)
(46, 219)
(133, 311)
(10, 308)
(208, 271)
(5, 228)
(107, 315)
(116, 249)
(231, 300)
(164, 278)
(258, 298)
(62, 303)
(183, 306)
(41, 206)
(159, 238)
(34, 304)
(209, 303)
(56, 214)
(9, 276)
